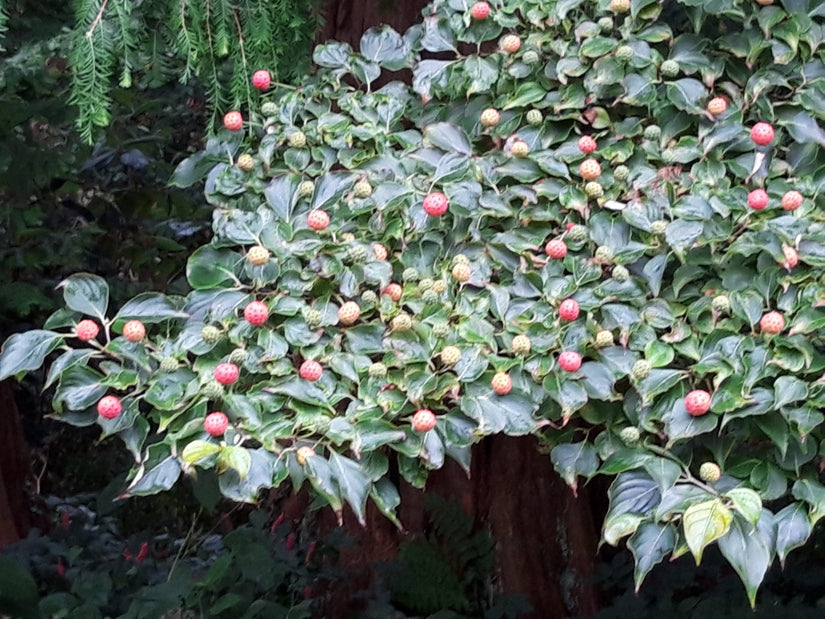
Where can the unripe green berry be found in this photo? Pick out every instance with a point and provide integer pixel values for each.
(658, 227)
(605, 24)
(710, 472)
(621, 172)
(530, 57)
(245, 162)
(620, 273)
(721, 303)
(362, 189)
(402, 322)
(430, 296)
(577, 234)
(306, 189)
(653, 132)
(269, 108)
(534, 117)
(313, 317)
(377, 370)
(212, 390)
(298, 139)
(425, 284)
(440, 286)
(604, 254)
(441, 329)
(210, 334)
(238, 356)
(624, 52)
(169, 364)
(669, 68)
(522, 344)
(368, 297)
(630, 436)
(460, 259)
(357, 253)
(641, 369)
(604, 338)
(594, 189)
(669, 156)
(409, 275)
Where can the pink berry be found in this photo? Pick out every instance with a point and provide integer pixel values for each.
(261, 79)
(86, 330)
(318, 219)
(310, 370)
(109, 407)
(556, 249)
(772, 322)
(435, 204)
(423, 420)
(226, 373)
(758, 199)
(587, 144)
(792, 200)
(569, 310)
(480, 10)
(697, 402)
(233, 121)
(762, 134)
(134, 331)
(215, 423)
(570, 361)
(256, 313)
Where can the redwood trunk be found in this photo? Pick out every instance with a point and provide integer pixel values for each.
(14, 470)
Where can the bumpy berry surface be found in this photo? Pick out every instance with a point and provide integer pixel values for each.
(570, 361)
(410, 274)
(212, 390)
(256, 313)
(510, 44)
(717, 106)
(348, 313)
(604, 254)
(624, 52)
(587, 144)
(710, 472)
(377, 370)
(590, 169)
(269, 108)
(721, 303)
(758, 199)
(318, 219)
(534, 117)
(530, 57)
(261, 79)
(238, 356)
(441, 329)
(258, 255)
(490, 117)
(772, 322)
(423, 420)
(169, 364)
(303, 454)
(569, 309)
(245, 162)
(640, 370)
(630, 436)
(621, 172)
(440, 286)
(310, 370)
(402, 322)
(306, 189)
(215, 423)
(109, 407)
(697, 402)
(762, 134)
(792, 200)
(501, 383)
(791, 257)
(298, 139)
(379, 251)
(653, 132)
(556, 249)
(604, 338)
(669, 68)
(577, 233)
(134, 331)
(593, 189)
(522, 344)
(393, 291)
(226, 373)
(435, 204)
(480, 10)
(461, 272)
(620, 6)
(520, 149)
(86, 330)
(450, 355)
(233, 121)
(362, 189)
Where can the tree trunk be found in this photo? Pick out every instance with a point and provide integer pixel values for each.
(545, 538)
(346, 20)
(14, 470)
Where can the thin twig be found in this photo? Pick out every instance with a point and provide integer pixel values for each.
(99, 16)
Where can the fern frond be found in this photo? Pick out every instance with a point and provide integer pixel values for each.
(4, 20)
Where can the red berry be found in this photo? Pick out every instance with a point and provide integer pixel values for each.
(423, 420)
(569, 310)
(311, 370)
(570, 361)
(109, 407)
(226, 373)
(762, 134)
(86, 330)
(590, 169)
(569, 225)
(697, 402)
(792, 200)
(256, 313)
(758, 199)
(233, 121)
(587, 144)
(393, 291)
(134, 331)
(317, 219)
(717, 106)
(501, 383)
(261, 79)
(791, 257)
(435, 204)
(556, 249)
(772, 322)
(380, 251)
(480, 10)
(349, 312)
(215, 423)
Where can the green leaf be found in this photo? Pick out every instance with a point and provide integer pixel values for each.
(704, 523)
(746, 502)
(209, 267)
(650, 544)
(573, 459)
(198, 450)
(87, 294)
(26, 351)
(18, 590)
(235, 458)
(813, 493)
(161, 477)
(353, 482)
(617, 526)
(789, 389)
(746, 550)
(793, 528)
(150, 307)
(385, 47)
(449, 138)
(386, 498)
